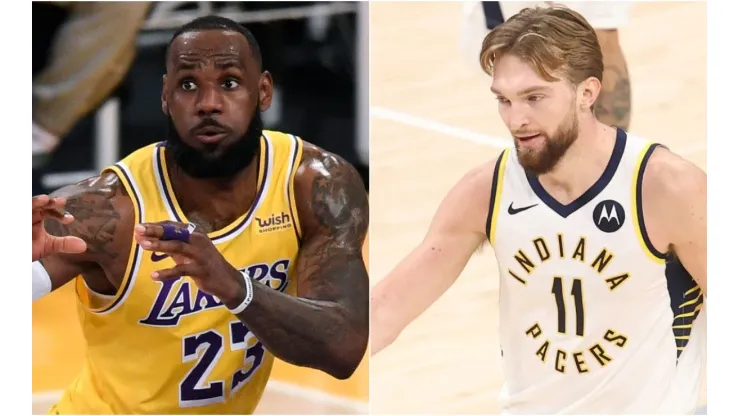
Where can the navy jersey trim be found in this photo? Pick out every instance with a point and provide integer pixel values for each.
(492, 202)
(686, 298)
(638, 201)
(606, 177)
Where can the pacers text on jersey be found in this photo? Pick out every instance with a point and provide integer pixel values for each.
(570, 289)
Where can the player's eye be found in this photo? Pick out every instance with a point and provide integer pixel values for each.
(230, 84)
(187, 85)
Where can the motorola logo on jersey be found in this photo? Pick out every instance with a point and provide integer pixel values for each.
(609, 216)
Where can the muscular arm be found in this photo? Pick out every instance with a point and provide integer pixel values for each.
(457, 230)
(102, 211)
(326, 326)
(614, 104)
(676, 193)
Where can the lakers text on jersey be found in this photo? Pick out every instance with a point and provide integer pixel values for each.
(593, 318)
(168, 347)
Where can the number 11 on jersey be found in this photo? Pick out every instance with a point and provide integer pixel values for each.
(577, 294)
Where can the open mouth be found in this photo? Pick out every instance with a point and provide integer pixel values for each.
(210, 134)
(211, 137)
(527, 138)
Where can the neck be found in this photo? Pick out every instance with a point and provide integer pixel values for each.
(583, 163)
(213, 202)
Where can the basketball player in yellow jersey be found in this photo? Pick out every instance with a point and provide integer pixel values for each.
(214, 251)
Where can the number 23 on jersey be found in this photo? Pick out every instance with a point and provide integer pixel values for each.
(210, 345)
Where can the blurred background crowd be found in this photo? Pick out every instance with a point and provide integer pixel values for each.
(98, 66)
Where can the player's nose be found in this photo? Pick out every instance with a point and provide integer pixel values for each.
(210, 101)
(518, 120)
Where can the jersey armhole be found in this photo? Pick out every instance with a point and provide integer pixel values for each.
(101, 304)
(637, 212)
(495, 202)
(296, 158)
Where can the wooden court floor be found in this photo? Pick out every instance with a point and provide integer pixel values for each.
(433, 118)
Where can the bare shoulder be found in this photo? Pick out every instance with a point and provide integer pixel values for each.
(478, 181)
(671, 179)
(103, 214)
(466, 205)
(674, 192)
(331, 196)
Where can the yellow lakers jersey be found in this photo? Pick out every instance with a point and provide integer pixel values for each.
(167, 347)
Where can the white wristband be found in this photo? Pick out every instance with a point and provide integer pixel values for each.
(41, 280)
(249, 293)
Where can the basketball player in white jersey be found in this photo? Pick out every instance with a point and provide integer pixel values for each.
(600, 238)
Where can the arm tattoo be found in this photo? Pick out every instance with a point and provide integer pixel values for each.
(96, 205)
(613, 107)
(95, 220)
(326, 327)
(340, 204)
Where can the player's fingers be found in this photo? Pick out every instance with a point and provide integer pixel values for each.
(161, 230)
(172, 248)
(66, 245)
(58, 203)
(57, 215)
(67, 218)
(43, 213)
(49, 206)
(174, 272)
(40, 201)
(148, 230)
(37, 216)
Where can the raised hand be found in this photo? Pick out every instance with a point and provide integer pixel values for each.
(195, 256)
(44, 244)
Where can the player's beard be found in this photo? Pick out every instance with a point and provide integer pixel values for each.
(541, 161)
(232, 160)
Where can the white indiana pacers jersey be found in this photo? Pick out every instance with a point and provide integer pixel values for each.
(593, 318)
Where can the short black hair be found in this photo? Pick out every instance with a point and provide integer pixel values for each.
(214, 22)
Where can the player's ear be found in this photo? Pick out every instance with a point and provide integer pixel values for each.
(265, 91)
(588, 91)
(165, 108)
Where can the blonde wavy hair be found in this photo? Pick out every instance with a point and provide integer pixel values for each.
(556, 41)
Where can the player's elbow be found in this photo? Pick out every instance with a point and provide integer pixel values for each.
(346, 355)
(344, 368)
